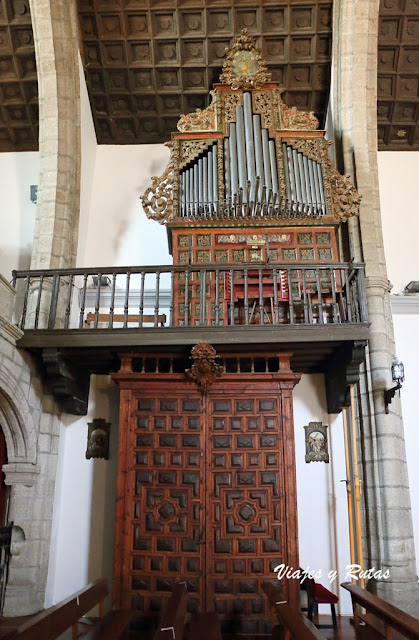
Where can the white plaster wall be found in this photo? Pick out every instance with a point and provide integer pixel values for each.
(398, 173)
(398, 177)
(17, 215)
(88, 160)
(323, 527)
(119, 233)
(83, 523)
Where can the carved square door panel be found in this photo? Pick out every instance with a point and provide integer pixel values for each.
(204, 496)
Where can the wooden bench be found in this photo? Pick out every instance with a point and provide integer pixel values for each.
(376, 619)
(120, 317)
(205, 626)
(172, 622)
(50, 623)
(295, 624)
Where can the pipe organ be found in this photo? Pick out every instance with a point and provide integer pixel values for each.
(248, 161)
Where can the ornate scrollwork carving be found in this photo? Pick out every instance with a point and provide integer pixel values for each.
(157, 200)
(293, 119)
(346, 199)
(244, 67)
(201, 120)
(309, 148)
(204, 369)
(262, 103)
(190, 149)
(230, 101)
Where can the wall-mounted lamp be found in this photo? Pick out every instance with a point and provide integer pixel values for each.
(104, 281)
(34, 193)
(412, 287)
(397, 373)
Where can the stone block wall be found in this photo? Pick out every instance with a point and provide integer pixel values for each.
(30, 420)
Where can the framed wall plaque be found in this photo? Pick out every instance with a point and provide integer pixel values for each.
(317, 446)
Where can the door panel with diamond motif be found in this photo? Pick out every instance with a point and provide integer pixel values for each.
(245, 533)
(164, 516)
(203, 497)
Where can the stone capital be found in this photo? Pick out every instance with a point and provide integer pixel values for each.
(7, 298)
(23, 473)
(9, 331)
(378, 282)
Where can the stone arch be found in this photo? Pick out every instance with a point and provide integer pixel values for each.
(19, 431)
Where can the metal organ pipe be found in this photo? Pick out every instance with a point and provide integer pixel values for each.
(215, 172)
(257, 134)
(195, 186)
(274, 172)
(233, 160)
(296, 175)
(227, 173)
(302, 177)
(322, 194)
(266, 159)
(210, 198)
(200, 182)
(204, 180)
(249, 143)
(286, 171)
(307, 179)
(241, 152)
(312, 185)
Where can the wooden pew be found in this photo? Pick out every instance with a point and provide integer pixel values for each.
(172, 622)
(205, 626)
(380, 619)
(50, 623)
(119, 317)
(295, 624)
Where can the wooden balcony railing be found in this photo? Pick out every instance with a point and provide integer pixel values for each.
(185, 296)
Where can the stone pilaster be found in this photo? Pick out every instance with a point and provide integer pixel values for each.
(388, 531)
(57, 215)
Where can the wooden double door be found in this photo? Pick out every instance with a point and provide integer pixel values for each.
(206, 494)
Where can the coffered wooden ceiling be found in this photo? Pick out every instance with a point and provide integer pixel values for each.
(398, 75)
(148, 61)
(18, 81)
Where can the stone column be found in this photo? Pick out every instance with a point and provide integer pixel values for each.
(57, 214)
(388, 531)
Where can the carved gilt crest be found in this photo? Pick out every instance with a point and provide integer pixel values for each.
(346, 199)
(201, 120)
(295, 120)
(157, 200)
(244, 67)
(204, 369)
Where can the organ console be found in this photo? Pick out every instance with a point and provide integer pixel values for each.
(248, 161)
